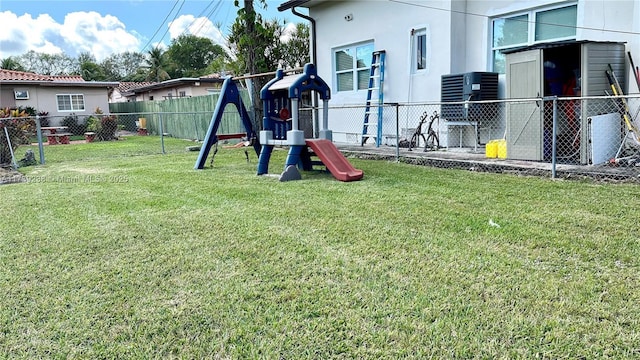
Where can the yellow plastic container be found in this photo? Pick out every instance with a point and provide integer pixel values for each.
(491, 149)
(143, 123)
(502, 149)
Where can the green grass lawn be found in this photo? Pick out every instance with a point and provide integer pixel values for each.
(108, 255)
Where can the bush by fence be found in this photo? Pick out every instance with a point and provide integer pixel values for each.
(16, 127)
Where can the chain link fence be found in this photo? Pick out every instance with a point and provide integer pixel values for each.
(594, 137)
(83, 137)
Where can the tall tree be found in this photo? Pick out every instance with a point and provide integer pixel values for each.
(190, 55)
(295, 49)
(90, 71)
(157, 65)
(11, 63)
(123, 66)
(88, 68)
(248, 40)
(47, 64)
(262, 46)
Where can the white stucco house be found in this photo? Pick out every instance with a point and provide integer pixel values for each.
(425, 40)
(123, 93)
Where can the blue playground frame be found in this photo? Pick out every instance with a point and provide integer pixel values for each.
(281, 97)
(229, 95)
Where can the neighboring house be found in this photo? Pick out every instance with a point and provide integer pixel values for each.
(425, 39)
(117, 94)
(173, 88)
(57, 95)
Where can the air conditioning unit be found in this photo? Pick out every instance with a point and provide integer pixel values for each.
(471, 86)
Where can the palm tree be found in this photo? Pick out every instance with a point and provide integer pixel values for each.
(157, 64)
(11, 63)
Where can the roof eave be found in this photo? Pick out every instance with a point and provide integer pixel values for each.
(173, 83)
(298, 3)
(60, 83)
(84, 84)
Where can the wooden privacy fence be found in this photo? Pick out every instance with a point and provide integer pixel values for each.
(185, 118)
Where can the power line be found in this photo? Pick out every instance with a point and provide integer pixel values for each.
(209, 15)
(174, 19)
(197, 17)
(160, 27)
(503, 17)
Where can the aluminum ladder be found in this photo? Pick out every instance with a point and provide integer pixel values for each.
(373, 108)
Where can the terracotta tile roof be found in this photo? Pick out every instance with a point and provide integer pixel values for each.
(21, 75)
(67, 78)
(27, 76)
(125, 86)
(211, 76)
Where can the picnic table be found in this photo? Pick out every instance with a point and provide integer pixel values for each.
(54, 137)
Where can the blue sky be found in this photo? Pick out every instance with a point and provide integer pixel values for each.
(104, 27)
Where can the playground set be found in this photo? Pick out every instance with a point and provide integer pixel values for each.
(281, 98)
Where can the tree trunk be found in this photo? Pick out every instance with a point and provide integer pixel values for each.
(252, 67)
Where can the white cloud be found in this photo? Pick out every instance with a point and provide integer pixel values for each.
(97, 34)
(26, 33)
(202, 27)
(289, 30)
(80, 32)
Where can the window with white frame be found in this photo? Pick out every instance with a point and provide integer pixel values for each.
(21, 94)
(419, 49)
(531, 27)
(70, 102)
(352, 66)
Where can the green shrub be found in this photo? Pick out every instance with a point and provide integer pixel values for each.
(44, 118)
(20, 127)
(71, 121)
(108, 128)
(93, 123)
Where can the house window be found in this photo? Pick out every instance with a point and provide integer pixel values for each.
(419, 49)
(556, 23)
(534, 26)
(21, 94)
(70, 102)
(183, 94)
(352, 66)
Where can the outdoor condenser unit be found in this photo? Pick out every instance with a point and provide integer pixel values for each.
(471, 86)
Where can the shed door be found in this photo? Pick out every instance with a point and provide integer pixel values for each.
(524, 119)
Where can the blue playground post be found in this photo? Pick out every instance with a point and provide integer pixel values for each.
(229, 95)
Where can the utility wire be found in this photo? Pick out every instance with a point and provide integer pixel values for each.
(160, 27)
(197, 17)
(208, 17)
(503, 17)
(174, 19)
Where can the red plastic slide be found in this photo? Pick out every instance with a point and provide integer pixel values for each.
(333, 159)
